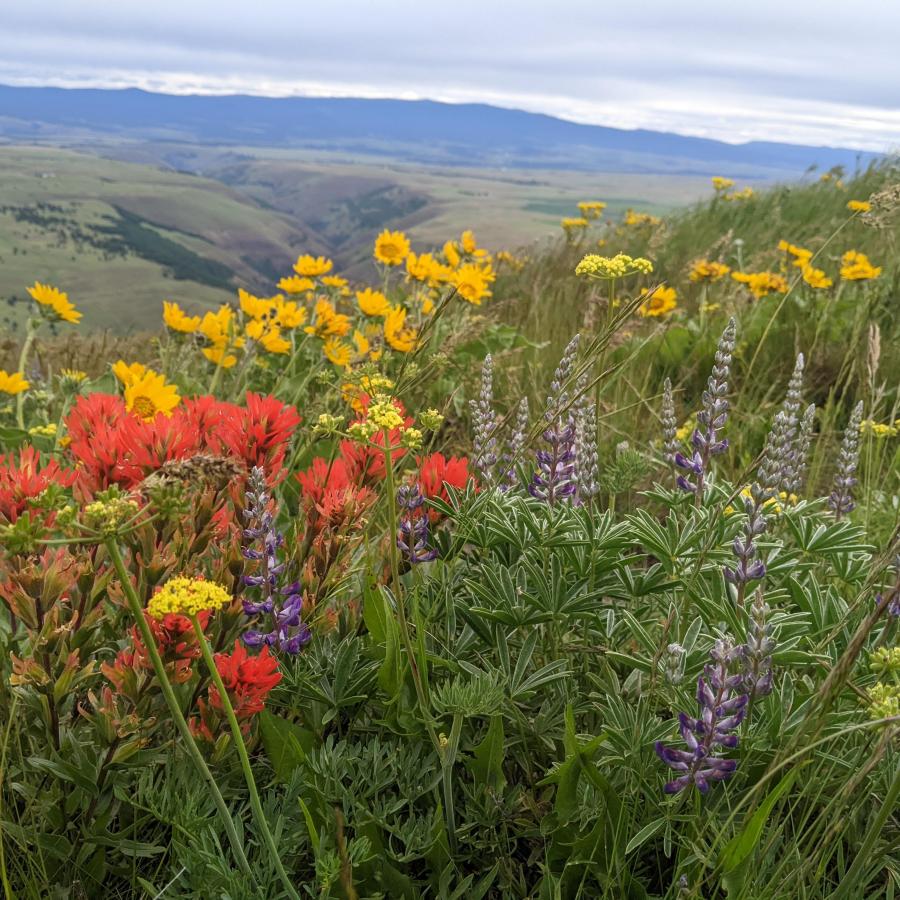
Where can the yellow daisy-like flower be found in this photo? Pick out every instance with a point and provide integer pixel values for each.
(56, 301)
(373, 303)
(335, 281)
(451, 254)
(722, 184)
(591, 209)
(660, 303)
(74, 375)
(273, 342)
(219, 355)
(128, 373)
(177, 319)
(312, 266)
(467, 242)
(391, 247)
(703, 270)
(859, 205)
(816, 278)
(289, 314)
(328, 321)
(360, 343)
(471, 283)
(396, 334)
(218, 326)
(296, 284)
(801, 255)
(150, 395)
(761, 284)
(572, 224)
(855, 266)
(337, 352)
(187, 597)
(255, 307)
(12, 383)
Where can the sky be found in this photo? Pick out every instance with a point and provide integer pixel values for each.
(807, 71)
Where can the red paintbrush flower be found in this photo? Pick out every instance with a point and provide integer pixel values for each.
(436, 473)
(260, 434)
(22, 478)
(248, 680)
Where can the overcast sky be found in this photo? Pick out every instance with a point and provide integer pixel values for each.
(807, 71)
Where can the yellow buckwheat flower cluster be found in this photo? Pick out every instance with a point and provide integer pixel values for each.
(187, 597)
(618, 266)
(383, 413)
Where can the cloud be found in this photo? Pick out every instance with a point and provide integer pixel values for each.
(796, 72)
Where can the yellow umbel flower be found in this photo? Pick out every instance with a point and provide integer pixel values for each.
(128, 373)
(721, 184)
(396, 334)
(187, 597)
(704, 271)
(383, 414)
(48, 430)
(855, 266)
(55, 301)
(391, 247)
(658, 303)
(177, 319)
(591, 209)
(618, 266)
(885, 700)
(12, 383)
(373, 303)
(312, 266)
(150, 395)
(859, 205)
(296, 284)
(636, 219)
(107, 516)
(573, 225)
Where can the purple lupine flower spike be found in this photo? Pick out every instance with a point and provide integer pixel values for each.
(586, 469)
(706, 439)
(757, 651)
(485, 424)
(515, 447)
(795, 470)
(722, 710)
(555, 479)
(669, 424)
(841, 499)
(283, 603)
(412, 534)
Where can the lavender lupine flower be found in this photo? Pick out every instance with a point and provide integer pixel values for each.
(586, 469)
(284, 603)
(841, 499)
(515, 446)
(485, 423)
(757, 651)
(555, 479)
(798, 459)
(711, 418)
(669, 423)
(412, 534)
(722, 709)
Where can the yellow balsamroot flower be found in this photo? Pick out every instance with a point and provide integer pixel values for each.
(801, 255)
(337, 352)
(360, 343)
(335, 281)
(636, 219)
(289, 314)
(373, 303)
(471, 282)
(149, 395)
(878, 429)
(128, 373)
(73, 376)
(855, 266)
(659, 302)
(721, 184)
(296, 284)
(591, 209)
(218, 327)
(618, 266)
(423, 267)
(328, 321)
(702, 270)
(391, 247)
(816, 278)
(272, 341)
(12, 383)
(219, 355)
(187, 597)
(312, 266)
(571, 225)
(383, 414)
(54, 301)
(467, 242)
(177, 319)
(451, 254)
(859, 205)
(396, 333)
(746, 193)
(255, 307)
(761, 284)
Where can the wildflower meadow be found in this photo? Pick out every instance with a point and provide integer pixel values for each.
(567, 572)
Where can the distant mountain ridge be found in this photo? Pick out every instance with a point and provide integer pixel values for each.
(423, 131)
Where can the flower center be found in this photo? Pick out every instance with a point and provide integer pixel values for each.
(144, 407)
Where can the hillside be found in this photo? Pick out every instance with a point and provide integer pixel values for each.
(417, 131)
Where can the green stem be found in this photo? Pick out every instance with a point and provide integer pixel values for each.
(177, 716)
(30, 335)
(241, 747)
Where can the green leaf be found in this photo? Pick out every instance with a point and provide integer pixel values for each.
(644, 834)
(286, 743)
(10, 437)
(487, 760)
